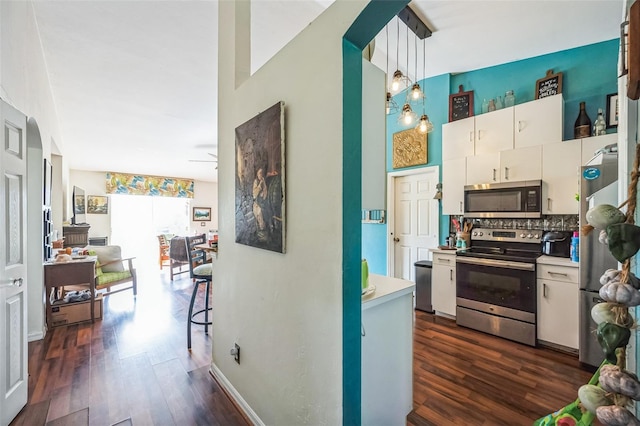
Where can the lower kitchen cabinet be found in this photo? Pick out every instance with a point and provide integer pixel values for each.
(443, 283)
(558, 296)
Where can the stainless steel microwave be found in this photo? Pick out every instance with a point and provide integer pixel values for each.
(504, 200)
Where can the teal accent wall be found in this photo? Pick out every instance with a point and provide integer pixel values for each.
(376, 252)
(589, 73)
(371, 20)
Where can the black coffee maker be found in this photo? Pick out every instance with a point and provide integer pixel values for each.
(557, 243)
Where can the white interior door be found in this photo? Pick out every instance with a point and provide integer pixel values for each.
(13, 270)
(415, 221)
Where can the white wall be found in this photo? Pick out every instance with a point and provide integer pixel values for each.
(205, 194)
(285, 310)
(25, 85)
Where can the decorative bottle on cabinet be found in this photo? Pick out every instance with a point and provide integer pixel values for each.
(599, 126)
(582, 128)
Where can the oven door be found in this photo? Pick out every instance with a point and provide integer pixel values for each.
(502, 283)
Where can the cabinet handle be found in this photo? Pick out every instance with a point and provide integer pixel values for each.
(519, 126)
(479, 134)
(450, 274)
(545, 290)
(562, 274)
(506, 173)
(362, 330)
(460, 206)
(494, 175)
(548, 203)
(471, 136)
(444, 260)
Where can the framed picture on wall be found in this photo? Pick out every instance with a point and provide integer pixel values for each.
(201, 214)
(97, 204)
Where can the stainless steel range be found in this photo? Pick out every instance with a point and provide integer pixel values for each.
(496, 283)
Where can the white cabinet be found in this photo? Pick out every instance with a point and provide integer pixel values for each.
(483, 169)
(558, 295)
(521, 164)
(387, 352)
(458, 138)
(594, 143)
(453, 178)
(443, 283)
(538, 122)
(505, 166)
(561, 177)
(494, 131)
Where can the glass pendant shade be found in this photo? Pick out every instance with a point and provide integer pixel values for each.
(407, 117)
(416, 94)
(399, 82)
(424, 125)
(391, 105)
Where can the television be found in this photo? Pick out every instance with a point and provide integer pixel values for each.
(79, 207)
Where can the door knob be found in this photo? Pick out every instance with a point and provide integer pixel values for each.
(396, 240)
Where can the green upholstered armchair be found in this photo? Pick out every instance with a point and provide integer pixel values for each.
(113, 271)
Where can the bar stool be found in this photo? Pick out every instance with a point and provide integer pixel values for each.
(201, 273)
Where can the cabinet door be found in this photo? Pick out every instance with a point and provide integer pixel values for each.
(594, 143)
(458, 139)
(560, 177)
(539, 122)
(443, 286)
(483, 169)
(521, 164)
(453, 181)
(558, 312)
(494, 131)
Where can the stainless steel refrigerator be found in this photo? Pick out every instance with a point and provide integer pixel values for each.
(598, 185)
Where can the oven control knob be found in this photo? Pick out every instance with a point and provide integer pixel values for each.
(480, 234)
(522, 235)
(474, 234)
(529, 236)
(536, 236)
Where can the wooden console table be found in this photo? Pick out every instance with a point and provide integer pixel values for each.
(76, 272)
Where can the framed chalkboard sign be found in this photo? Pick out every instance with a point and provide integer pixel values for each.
(460, 104)
(549, 85)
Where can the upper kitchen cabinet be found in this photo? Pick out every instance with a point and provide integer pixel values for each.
(374, 178)
(560, 177)
(453, 178)
(538, 122)
(458, 139)
(595, 143)
(505, 166)
(494, 131)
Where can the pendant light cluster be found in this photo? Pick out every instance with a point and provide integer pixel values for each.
(415, 94)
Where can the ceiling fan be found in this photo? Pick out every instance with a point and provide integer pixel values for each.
(214, 159)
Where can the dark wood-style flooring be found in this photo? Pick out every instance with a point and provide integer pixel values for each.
(133, 368)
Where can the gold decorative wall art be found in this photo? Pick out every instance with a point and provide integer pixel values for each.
(409, 148)
(122, 183)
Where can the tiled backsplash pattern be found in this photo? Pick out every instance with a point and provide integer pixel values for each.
(547, 223)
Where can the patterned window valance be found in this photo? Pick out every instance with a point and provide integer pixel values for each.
(122, 183)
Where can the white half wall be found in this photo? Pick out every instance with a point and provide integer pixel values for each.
(285, 310)
(24, 83)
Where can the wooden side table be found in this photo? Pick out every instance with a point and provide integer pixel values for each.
(76, 272)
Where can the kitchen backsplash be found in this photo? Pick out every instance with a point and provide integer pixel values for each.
(547, 223)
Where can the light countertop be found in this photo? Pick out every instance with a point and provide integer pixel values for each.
(558, 261)
(386, 288)
(439, 250)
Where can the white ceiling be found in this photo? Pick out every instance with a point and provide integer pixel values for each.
(134, 82)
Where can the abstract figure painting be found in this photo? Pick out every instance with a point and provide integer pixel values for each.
(260, 183)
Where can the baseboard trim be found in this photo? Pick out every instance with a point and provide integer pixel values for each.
(32, 337)
(234, 395)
